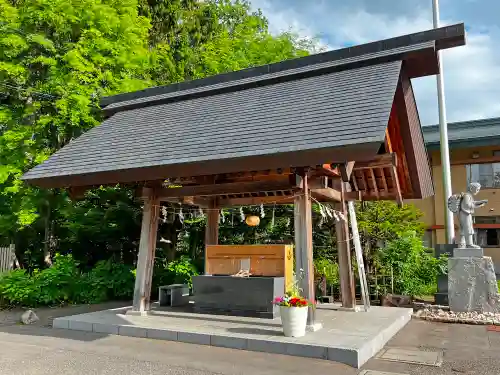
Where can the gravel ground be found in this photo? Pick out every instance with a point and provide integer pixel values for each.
(439, 315)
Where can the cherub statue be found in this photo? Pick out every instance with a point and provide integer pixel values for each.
(464, 205)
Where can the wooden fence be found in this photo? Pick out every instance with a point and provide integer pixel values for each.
(7, 258)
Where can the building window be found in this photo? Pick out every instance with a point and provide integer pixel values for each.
(488, 237)
(487, 174)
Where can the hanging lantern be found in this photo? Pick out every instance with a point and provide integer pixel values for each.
(252, 220)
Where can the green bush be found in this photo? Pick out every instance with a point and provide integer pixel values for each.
(17, 288)
(179, 271)
(329, 269)
(64, 283)
(57, 284)
(414, 267)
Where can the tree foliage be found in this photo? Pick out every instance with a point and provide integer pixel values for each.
(58, 58)
(414, 267)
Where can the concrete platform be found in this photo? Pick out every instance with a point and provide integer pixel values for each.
(351, 338)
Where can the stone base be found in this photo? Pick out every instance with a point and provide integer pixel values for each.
(357, 308)
(441, 298)
(347, 338)
(238, 296)
(461, 252)
(472, 285)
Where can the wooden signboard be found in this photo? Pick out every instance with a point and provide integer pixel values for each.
(262, 260)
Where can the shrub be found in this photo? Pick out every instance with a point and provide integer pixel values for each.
(64, 283)
(414, 267)
(17, 287)
(58, 284)
(329, 269)
(179, 271)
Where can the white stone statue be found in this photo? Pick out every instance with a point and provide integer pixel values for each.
(464, 205)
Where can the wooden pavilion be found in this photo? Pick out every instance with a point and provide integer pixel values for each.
(336, 126)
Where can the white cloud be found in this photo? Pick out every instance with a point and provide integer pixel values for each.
(472, 72)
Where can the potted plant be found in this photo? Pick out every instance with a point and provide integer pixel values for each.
(293, 311)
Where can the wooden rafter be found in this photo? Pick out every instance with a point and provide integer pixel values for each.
(397, 189)
(384, 180)
(374, 182)
(380, 161)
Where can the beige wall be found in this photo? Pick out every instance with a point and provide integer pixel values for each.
(434, 207)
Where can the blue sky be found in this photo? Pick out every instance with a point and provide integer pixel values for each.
(472, 72)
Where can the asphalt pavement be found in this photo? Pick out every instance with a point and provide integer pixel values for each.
(38, 349)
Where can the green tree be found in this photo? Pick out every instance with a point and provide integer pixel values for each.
(414, 267)
(58, 58)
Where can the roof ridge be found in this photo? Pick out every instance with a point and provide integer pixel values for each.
(445, 37)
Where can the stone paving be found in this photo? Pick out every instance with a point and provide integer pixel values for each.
(347, 337)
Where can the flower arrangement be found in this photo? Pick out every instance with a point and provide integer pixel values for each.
(293, 298)
(293, 309)
(291, 301)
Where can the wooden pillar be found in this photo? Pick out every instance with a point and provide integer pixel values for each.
(212, 228)
(147, 247)
(304, 243)
(347, 287)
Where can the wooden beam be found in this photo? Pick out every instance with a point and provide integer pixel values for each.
(251, 201)
(304, 245)
(354, 182)
(346, 170)
(147, 247)
(327, 170)
(374, 181)
(327, 194)
(383, 160)
(384, 181)
(228, 188)
(414, 146)
(397, 189)
(364, 180)
(388, 143)
(212, 228)
(344, 259)
(78, 192)
(355, 195)
(191, 201)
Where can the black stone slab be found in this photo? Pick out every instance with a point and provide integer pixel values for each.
(441, 297)
(240, 296)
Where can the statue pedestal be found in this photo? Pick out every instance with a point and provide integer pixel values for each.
(472, 283)
(467, 252)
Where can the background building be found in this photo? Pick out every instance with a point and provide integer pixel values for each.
(474, 157)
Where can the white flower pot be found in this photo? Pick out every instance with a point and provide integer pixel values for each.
(294, 320)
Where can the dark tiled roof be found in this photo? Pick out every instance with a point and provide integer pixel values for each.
(466, 133)
(330, 105)
(248, 78)
(401, 47)
(326, 111)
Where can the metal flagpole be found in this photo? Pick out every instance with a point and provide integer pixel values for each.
(443, 129)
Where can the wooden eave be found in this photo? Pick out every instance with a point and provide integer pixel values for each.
(404, 171)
